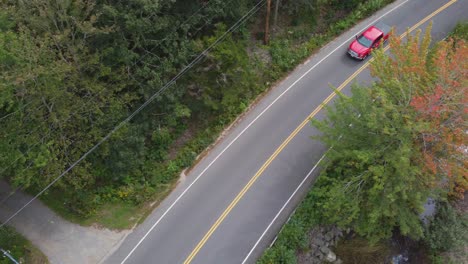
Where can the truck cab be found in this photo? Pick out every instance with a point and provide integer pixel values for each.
(370, 39)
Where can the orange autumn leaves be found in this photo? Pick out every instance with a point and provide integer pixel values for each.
(433, 84)
(443, 108)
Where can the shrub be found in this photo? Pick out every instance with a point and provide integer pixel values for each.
(82, 204)
(21, 249)
(461, 31)
(447, 230)
(294, 234)
(278, 255)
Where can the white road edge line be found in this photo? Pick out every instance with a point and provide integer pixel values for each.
(282, 208)
(250, 124)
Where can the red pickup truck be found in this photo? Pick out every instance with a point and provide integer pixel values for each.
(370, 39)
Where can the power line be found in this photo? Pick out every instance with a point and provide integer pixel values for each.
(8, 255)
(92, 97)
(154, 96)
(49, 132)
(133, 64)
(38, 142)
(12, 113)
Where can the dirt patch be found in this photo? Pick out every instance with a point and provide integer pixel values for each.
(356, 250)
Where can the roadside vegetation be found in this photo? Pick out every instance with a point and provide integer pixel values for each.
(393, 145)
(71, 70)
(20, 248)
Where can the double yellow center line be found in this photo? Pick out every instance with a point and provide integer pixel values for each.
(291, 136)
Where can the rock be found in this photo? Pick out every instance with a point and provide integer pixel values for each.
(399, 259)
(328, 236)
(338, 261)
(318, 242)
(324, 250)
(314, 251)
(339, 233)
(331, 257)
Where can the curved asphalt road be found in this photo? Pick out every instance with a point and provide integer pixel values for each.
(177, 226)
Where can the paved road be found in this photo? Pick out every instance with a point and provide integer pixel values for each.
(175, 229)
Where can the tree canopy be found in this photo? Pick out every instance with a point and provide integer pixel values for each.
(71, 70)
(398, 142)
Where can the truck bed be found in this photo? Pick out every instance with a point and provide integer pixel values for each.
(383, 27)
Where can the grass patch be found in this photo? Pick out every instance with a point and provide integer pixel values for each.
(115, 214)
(20, 248)
(53, 199)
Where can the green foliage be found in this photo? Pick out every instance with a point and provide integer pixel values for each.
(460, 31)
(344, 4)
(21, 249)
(230, 83)
(79, 68)
(281, 54)
(302, 11)
(71, 70)
(380, 169)
(294, 236)
(278, 255)
(6, 22)
(359, 10)
(448, 229)
(365, 7)
(373, 185)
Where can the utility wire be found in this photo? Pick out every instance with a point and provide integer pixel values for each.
(12, 113)
(98, 93)
(8, 255)
(154, 96)
(133, 64)
(49, 132)
(92, 97)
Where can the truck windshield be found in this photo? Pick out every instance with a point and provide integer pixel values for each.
(364, 41)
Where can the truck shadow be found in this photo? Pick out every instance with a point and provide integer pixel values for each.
(351, 62)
